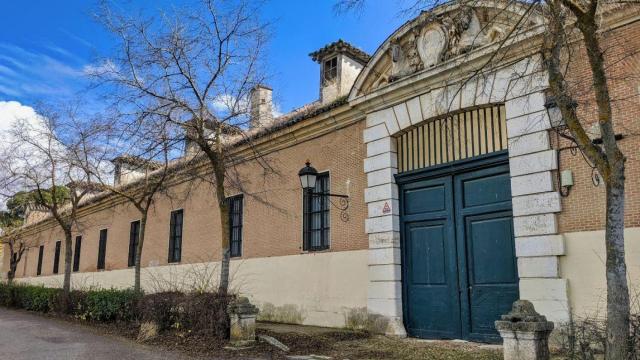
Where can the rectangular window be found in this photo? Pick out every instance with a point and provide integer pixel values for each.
(235, 225)
(56, 258)
(175, 236)
(102, 248)
(76, 253)
(330, 70)
(316, 216)
(134, 237)
(40, 256)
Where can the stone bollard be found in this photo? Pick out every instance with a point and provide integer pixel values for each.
(525, 333)
(242, 316)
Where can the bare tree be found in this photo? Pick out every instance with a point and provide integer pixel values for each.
(45, 161)
(192, 69)
(139, 175)
(573, 25)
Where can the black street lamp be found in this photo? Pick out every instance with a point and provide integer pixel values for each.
(308, 176)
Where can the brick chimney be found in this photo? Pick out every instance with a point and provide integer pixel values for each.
(261, 106)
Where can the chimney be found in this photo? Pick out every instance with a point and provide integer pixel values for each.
(261, 106)
(340, 64)
(34, 213)
(128, 168)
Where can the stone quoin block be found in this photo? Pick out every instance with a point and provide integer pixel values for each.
(532, 183)
(375, 132)
(528, 124)
(384, 256)
(384, 145)
(380, 161)
(402, 116)
(384, 239)
(381, 192)
(384, 207)
(533, 163)
(538, 267)
(541, 203)
(382, 176)
(382, 224)
(529, 143)
(527, 84)
(387, 307)
(384, 289)
(545, 245)
(544, 224)
(525, 105)
(379, 117)
(389, 272)
(415, 110)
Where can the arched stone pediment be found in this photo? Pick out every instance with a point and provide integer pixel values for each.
(434, 37)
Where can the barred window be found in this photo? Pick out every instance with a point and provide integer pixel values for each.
(330, 70)
(102, 249)
(235, 225)
(175, 236)
(134, 238)
(76, 253)
(56, 258)
(316, 216)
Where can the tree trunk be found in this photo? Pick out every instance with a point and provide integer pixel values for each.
(617, 288)
(138, 260)
(12, 270)
(223, 206)
(68, 256)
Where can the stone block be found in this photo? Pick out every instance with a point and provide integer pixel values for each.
(242, 326)
(538, 267)
(384, 256)
(468, 94)
(483, 89)
(387, 307)
(541, 203)
(427, 106)
(384, 289)
(415, 110)
(527, 124)
(529, 143)
(382, 224)
(380, 146)
(381, 192)
(545, 245)
(533, 163)
(379, 117)
(380, 161)
(525, 105)
(532, 183)
(382, 176)
(527, 84)
(544, 290)
(543, 224)
(384, 240)
(375, 132)
(402, 116)
(384, 207)
(525, 333)
(389, 272)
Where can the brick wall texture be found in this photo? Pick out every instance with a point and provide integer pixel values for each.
(584, 208)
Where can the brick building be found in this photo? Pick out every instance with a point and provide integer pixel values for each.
(456, 205)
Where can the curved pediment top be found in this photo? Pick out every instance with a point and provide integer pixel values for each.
(436, 36)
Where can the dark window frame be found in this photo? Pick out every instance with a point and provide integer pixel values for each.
(56, 257)
(176, 222)
(76, 253)
(236, 219)
(134, 238)
(330, 70)
(40, 258)
(102, 249)
(317, 207)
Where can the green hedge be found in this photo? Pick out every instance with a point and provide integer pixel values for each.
(98, 305)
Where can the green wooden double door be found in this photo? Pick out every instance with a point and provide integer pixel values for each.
(459, 263)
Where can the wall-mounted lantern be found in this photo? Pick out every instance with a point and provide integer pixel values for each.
(308, 176)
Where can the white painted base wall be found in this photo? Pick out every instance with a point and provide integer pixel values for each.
(584, 268)
(319, 289)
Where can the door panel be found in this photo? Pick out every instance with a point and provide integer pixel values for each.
(429, 252)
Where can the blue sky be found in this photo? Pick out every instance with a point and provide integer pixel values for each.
(44, 45)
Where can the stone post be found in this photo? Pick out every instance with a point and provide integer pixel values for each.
(242, 315)
(525, 333)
